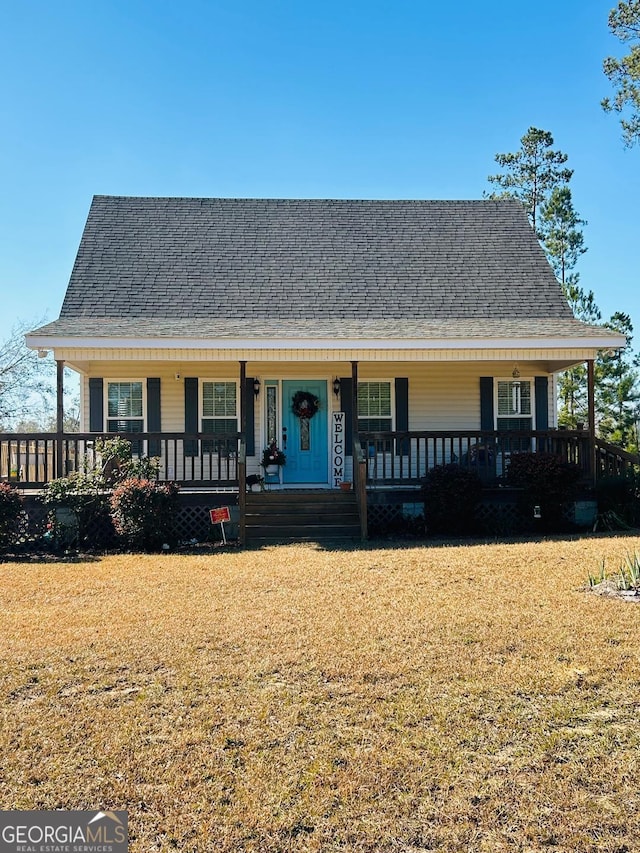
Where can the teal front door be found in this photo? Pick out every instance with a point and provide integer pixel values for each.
(306, 439)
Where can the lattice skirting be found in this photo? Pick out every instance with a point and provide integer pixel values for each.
(493, 518)
(382, 517)
(192, 524)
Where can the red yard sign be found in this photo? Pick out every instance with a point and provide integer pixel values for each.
(220, 514)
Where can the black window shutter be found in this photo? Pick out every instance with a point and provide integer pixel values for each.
(486, 403)
(402, 412)
(346, 406)
(250, 401)
(96, 405)
(154, 420)
(191, 414)
(542, 402)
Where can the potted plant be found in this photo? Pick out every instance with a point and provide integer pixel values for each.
(272, 458)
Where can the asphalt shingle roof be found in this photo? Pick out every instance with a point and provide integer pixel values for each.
(208, 267)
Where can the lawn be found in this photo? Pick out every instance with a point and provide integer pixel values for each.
(445, 698)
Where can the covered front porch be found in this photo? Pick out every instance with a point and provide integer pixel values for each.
(391, 462)
(381, 417)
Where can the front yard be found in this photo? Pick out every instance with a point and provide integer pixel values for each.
(444, 698)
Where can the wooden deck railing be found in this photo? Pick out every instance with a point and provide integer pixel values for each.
(33, 459)
(383, 458)
(612, 461)
(403, 458)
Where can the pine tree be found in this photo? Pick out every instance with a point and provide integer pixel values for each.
(617, 392)
(560, 233)
(531, 173)
(536, 176)
(624, 73)
(572, 383)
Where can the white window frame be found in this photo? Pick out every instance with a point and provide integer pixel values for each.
(387, 445)
(530, 380)
(122, 381)
(392, 399)
(201, 416)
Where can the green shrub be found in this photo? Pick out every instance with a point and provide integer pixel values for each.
(10, 509)
(451, 495)
(119, 464)
(80, 508)
(144, 513)
(548, 482)
(85, 498)
(620, 496)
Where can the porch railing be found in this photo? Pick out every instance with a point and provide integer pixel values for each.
(403, 458)
(612, 461)
(385, 458)
(33, 459)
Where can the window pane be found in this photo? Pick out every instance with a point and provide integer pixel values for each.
(272, 413)
(218, 427)
(514, 398)
(124, 399)
(305, 434)
(374, 399)
(374, 424)
(218, 399)
(514, 424)
(124, 426)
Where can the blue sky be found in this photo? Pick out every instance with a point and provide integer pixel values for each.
(347, 99)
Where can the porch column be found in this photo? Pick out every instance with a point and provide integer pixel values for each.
(59, 417)
(354, 406)
(243, 397)
(242, 458)
(591, 407)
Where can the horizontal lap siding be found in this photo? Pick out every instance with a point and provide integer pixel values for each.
(441, 396)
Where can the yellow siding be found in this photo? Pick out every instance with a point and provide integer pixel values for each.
(441, 396)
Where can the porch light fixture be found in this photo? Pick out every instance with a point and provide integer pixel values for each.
(336, 387)
(515, 372)
(256, 387)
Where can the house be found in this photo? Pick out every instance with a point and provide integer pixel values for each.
(429, 331)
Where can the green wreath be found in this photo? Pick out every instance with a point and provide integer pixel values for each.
(304, 404)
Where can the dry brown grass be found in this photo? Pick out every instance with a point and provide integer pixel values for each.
(469, 698)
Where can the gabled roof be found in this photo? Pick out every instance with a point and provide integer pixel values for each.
(215, 269)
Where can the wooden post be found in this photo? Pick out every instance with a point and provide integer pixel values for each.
(242, 457)
(59, 418)
(354, 412)
(361, 486)
(242, 492)
(591, 404)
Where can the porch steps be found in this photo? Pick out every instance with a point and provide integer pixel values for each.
(301, 516)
